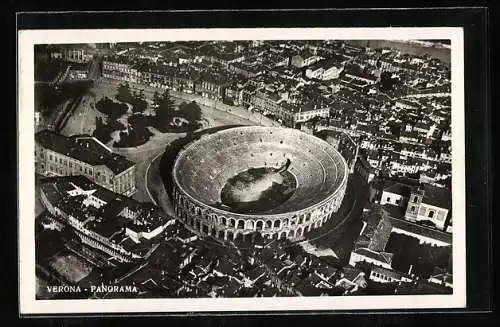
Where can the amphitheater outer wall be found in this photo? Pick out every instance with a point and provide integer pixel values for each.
(227, 225)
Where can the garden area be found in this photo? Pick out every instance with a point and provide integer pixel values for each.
(132, 116)
(103, 130)
(48, 98)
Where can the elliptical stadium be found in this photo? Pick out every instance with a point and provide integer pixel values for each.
(245, 181)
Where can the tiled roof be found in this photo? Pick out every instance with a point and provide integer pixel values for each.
(83, 148)
(306, 54)
(107, 222)
(394, 211)
(105, 227)
(437, 196)
(306, 289)
(350, 273)
(387, 258)
(184, 233)
(398, 188)
(256, 273)
(388, 272)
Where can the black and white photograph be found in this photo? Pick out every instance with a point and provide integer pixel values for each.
(243, 169)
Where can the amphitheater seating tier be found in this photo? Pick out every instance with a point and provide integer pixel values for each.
(204, 167)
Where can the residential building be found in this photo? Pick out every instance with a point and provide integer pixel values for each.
(120, 68)
(388, 275)
(441, 277)
(431, 204)
(58, 155)
(309, 111)
(382, 259)
(396, 194)
(108, 222)
(211, 86)
(364, 169)
(271, 103)
(79, 55)
(324, 70)
(304, 59)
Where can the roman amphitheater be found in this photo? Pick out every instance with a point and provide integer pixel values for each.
(244, 181)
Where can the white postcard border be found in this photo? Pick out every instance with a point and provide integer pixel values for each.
(26, 179)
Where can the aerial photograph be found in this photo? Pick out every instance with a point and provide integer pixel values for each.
(243, 169)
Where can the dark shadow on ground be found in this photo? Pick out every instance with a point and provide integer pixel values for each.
(341, 231)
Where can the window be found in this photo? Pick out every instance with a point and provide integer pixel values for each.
(398, 201)
(412, 209)
(431, 213)
(388, 199)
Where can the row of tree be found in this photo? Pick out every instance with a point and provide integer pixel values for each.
(113, 109)
(103, 130)
(166, 111)
(135, 99)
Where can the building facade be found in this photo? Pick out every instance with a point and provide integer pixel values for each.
(432, 205)
(396, 194)
(306, 114)
(58, 155)
(120, 70)
(92, 212)
(304, 59)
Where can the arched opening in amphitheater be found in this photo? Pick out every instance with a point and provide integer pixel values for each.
(202, 170)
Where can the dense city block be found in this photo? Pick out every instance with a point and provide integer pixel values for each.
(243, 169)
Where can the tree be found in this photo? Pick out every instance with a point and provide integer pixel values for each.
(103, 130)
(124, 94)
(138, 105)
(191, 112)
(113, 109)
(386, 81)
(156, 98)
(164, 112)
